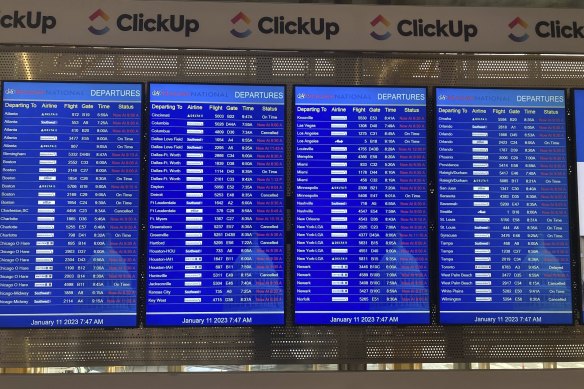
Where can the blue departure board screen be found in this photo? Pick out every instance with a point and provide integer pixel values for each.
(361, 206)
(579, 121)
(69, 204)
(504, 244)
(216, 205)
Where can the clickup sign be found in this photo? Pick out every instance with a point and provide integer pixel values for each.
(29, 19)
(139, 22)
(557, 29)
(298, 26)
(437, 28)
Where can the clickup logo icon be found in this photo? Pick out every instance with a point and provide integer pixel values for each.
(521, 23)
(384, 22)
(98, 14)
(244, 20)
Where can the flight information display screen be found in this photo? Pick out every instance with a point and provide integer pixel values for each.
(361, 206)
(579, 120)
(216, 205)
(503, 221)
(69, 204)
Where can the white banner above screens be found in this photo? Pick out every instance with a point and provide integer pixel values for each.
(170, 24)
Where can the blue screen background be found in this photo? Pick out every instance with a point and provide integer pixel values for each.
(361, 206)
(70, 192)
(216, 205)
(503, 220)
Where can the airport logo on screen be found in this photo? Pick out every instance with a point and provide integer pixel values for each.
(421, 28)
(282, 25)
(29, 19)
(139, 22)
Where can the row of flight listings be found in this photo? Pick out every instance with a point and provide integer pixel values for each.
(70, 200)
